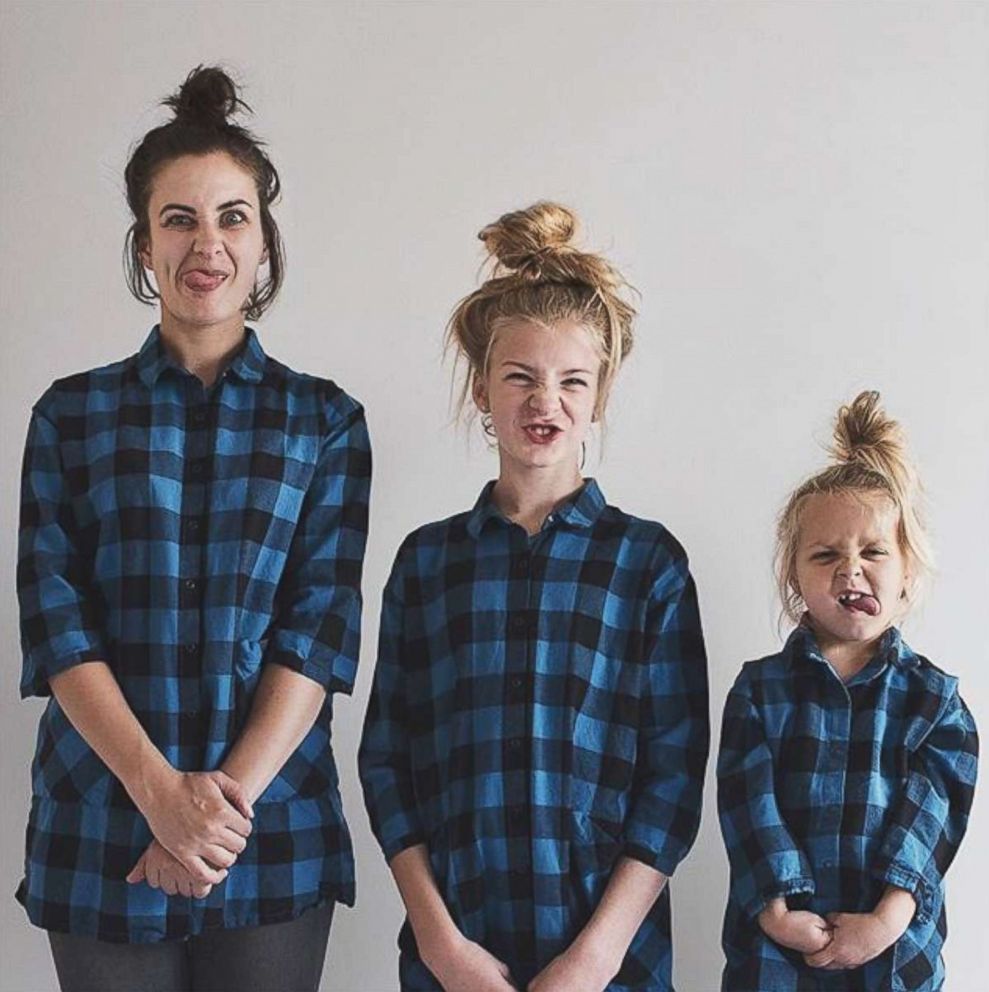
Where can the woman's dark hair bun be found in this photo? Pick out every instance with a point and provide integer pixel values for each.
(208, 97)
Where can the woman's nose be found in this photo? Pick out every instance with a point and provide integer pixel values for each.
(207, 241)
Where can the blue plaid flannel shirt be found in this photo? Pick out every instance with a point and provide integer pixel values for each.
(539, 709)
(828, 792)
(188, 538)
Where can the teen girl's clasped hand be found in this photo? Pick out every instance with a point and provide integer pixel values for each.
(535, 742)
(192, 532)
(847, 762)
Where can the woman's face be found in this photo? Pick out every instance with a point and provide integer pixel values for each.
(205, 241)
(540, 390)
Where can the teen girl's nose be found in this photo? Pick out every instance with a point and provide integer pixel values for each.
(543, 399)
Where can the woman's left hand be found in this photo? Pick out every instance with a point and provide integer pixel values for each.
(577, 969)
(163, 871)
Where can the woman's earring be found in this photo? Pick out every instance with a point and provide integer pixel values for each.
(583, 455)
(487, 424)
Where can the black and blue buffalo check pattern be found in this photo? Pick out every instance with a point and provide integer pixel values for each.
(539, 710)
(830, 791)
(188, 537)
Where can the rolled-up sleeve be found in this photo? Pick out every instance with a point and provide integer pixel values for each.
(384, 760)
(929, 820)
(766, 862)
(60, 612)
(674, 731)
(316, 630)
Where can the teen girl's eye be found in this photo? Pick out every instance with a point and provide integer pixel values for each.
(518, 377)
(573, 381)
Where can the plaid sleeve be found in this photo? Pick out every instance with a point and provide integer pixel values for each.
(766, 862)
(674, 727)
(60, 612)
(383, 758)
(318, 607)
(928, 822)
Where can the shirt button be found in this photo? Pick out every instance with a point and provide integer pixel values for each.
(515, 744)
(518, 813)
(516, 682)
(199, 417)
(522, 567)
(191, 585)
(190, 648)
(192, 525)
(196, 470)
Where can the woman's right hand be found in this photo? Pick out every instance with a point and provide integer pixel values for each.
(462, 965)
(202, 818)
(797, 929)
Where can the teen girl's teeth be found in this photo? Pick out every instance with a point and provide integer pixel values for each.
(541, 433)
(202, 281)
(859, 602)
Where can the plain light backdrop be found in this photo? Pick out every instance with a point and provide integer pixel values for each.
(800, 191)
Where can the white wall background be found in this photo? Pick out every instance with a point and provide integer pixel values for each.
(798, 189)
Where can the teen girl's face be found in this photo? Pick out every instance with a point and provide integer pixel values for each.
(540, 390)
(205, 243)
(850, 570)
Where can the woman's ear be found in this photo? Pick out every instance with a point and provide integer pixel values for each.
(479, 393)
(144, 252)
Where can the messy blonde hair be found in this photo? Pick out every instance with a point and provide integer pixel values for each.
(869, 450)
(538, 275)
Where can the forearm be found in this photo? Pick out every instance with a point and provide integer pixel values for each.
(91, 698)
(428, 916)
(630, 894)
(896, 908)
(284, 709)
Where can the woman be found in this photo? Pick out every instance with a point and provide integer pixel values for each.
(534, 747)
(192, 531)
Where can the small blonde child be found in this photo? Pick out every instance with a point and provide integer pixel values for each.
(847, 762)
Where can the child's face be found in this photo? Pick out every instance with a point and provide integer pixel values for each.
(540, 390)
(851, 572)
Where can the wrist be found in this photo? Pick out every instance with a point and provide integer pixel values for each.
(437, 942)
(597, 954)
(150, 779)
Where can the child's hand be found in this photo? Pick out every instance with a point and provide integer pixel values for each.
(860, 937)
(574, 971)
(797, 929)
(856, 938)
(162, 871)
(465, 966)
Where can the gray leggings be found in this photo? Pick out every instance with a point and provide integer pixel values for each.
(283, 956)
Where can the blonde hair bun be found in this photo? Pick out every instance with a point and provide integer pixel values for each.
(518, 239)
(864, 435)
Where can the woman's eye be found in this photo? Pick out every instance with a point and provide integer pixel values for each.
(177, 220)
(233, 217)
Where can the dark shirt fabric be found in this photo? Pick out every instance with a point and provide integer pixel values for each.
(187, 538)
(830, 791)
(539, 709)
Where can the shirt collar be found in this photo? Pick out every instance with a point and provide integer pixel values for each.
(580, 511)
(152, 360)
(891, 649)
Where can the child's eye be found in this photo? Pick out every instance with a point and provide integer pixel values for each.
(822, 556)
(875, 553)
